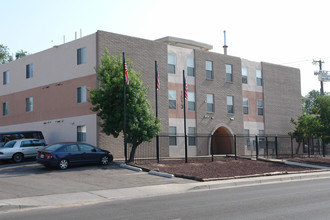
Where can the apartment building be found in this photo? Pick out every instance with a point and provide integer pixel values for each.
(227, 95)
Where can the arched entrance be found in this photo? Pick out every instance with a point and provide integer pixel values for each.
(223, 141)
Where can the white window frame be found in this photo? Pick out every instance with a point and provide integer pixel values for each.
(190, 66)
(229, 73)
(81, 133)
(259, 78)
(245, 106)
(171, 63)
(171, 99)
(209, 69)
(191, 101)
(192, 136)
(210, 103)
(172, 136)
(244, 75)
(230, 105)
(260, 107)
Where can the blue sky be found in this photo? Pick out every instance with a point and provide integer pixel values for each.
(288, 32)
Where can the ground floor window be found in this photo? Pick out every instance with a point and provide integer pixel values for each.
(81, 133)
(172, 135)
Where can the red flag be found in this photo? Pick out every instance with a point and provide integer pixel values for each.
(186, 91)
(126, 74)
(158, 85)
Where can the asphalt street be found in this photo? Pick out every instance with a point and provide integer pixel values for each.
(284, 200)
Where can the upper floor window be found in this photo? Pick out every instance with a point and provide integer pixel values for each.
(260, 107)
(245, 106)
(209, 69)
(5, 108)
(81, 55)
(229, 73)
(191, 136)
(210, 102)
(172, 135)
(29, 104)
(244, 75)
(5, 77)
(171, 99)
(190, 67)
(230, 104)
(191, 101)
(81, 133)
(81, 94)
(171, 62)
(259, 77)
(29, 71)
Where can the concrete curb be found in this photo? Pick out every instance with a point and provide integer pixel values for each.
(167, 175)
(123, 165)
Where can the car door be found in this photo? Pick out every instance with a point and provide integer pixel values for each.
(91, 155)
(73, 154)
(27, 149)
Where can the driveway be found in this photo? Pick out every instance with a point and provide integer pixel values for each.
(32, 179)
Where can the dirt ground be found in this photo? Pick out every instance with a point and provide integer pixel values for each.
(227, 167)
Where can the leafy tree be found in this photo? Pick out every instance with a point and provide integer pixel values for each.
(107, 100)
(21, 53)
(309, 99)
(322, 110)
(4, 54)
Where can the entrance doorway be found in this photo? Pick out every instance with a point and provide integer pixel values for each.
(223, 141)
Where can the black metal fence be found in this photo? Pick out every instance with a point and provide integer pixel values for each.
(266, 146)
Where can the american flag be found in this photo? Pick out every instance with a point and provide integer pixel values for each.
(185, 89)
(126, 74)
(158, 85)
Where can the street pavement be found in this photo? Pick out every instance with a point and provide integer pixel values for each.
(31, 186)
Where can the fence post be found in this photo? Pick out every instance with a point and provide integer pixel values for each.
(291, 147)
(267, 146)
(235, 145)
(323, 147)
(257, 147)
(309, 150)
(212, 147)
(276, 150)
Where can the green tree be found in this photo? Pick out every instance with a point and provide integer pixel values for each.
(107, 101)
(321, 108)
(21, 53)
(4, 54)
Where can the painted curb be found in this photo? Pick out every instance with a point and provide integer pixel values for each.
(167, 175)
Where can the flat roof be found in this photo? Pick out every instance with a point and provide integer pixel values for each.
(180, 42)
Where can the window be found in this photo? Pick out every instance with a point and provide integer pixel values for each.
(260, 107)
(245, 106)
(71, 148)
(190, 67)
(209, 69)
(230, 104)
(244, 75)
(172, 135)
(87, 148)
(172, 99)
(210, 102)
(259, 77)
(247, 137)
(229, 73)
(81, 94)
(191, 101)
(29, 71)
(171, 63)
(5, 78)
(29, 104)
(192, 136)
(81, 55)
(5, 108)
(261, 134)
(81, 133)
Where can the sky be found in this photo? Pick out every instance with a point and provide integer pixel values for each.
(286, 32)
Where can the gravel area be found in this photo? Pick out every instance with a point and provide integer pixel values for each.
(221, 168)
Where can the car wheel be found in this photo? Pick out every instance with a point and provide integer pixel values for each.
(63, 164)
(104, 160)
(18, 157)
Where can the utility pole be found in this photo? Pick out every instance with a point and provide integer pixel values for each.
(320, 72)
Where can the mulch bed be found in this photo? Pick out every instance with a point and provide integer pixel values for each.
(221, 168)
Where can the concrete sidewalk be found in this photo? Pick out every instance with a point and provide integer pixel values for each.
(99, 196)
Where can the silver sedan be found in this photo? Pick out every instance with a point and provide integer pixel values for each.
(17, 150)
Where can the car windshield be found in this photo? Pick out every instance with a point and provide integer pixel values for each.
(9, 144)
(53, 147)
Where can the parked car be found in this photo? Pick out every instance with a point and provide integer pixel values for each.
(17, 150)
(63, 155)
(14, 135)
